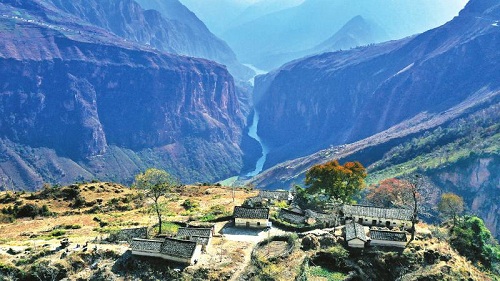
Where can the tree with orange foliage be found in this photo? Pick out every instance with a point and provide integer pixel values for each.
(338, 181)
(390, 193)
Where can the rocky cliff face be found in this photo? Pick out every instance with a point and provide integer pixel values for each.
(476, 179)
(342, 97)
(169, 27)
(78, 95)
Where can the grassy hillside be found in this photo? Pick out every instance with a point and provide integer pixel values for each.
(89, 214)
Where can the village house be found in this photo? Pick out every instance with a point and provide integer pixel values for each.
(276, 195)
(355, 235)
(251, 217)
(388, 238)
(199, 235)
(375, 216)
(267, 197)
(328, 220)
(176, 250)
(292, 217)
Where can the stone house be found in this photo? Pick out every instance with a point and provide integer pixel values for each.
(292, 217)
(388, 238)
(355, 235)
(251, 217)
(199, 235)
(276, 195)
(328, 220)
(176, 250)
(375, 216)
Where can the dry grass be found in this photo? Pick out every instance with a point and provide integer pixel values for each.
(19, 232)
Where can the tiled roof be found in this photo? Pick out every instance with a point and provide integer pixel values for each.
(388, 235)
(200, 240)
(354, 230)
(368, 211)
(192, 231)
(291, 216)
(169, 246)
(178, 248)
(274, 194)
(148, 245)
(251, 213)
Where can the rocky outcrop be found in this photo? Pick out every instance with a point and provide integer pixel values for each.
(77, 96)
(476, 179)
(342, 97)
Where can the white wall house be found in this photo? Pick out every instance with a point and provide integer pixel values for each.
(387, 238)
(251, 217)
(355, 235)
(176, 250)
(374, 216)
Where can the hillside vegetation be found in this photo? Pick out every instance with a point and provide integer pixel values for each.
(89, 214)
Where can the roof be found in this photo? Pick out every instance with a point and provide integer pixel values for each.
(387, 235)
(275, 194)
(354, 230)
(193, 231)
(148, 245)
(291, 215)
(168, 246)
(369, 211)
(251, 213)
(178, 248)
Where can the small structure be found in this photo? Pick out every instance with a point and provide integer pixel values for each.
(328, 220)
(292, 217)
(388, 238)
(199, 235)
(130, 233)
(355, 235)
(375, 216)
(276, 195)
(176, 250)
(251, 217)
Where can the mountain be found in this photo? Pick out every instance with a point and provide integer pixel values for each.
(220, 15)
(171, 28)
(342, 97)
(78, 102)
(314, 21)
(356, 32)
(428, 104)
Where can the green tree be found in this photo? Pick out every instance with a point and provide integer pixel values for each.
(451, 206)
(154, 184)
(472, 239)
(338, 181)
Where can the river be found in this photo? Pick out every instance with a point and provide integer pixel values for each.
(252, 131)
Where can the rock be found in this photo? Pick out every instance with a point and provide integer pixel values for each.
(327, 241)
(310, 242)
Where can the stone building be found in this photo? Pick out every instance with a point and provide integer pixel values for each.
(276, 195)
(355, 235)
(199, 235)
(176, 250)
(251, 217)
(292, 217)
(328, 220)
(375, 216)
(388, 238)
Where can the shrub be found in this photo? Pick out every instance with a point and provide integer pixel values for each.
(190, 204)
(473, 240)
(28, 210)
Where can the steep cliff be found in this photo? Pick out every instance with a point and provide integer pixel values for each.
(342, 97)
(169, 27)
(79, 102)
